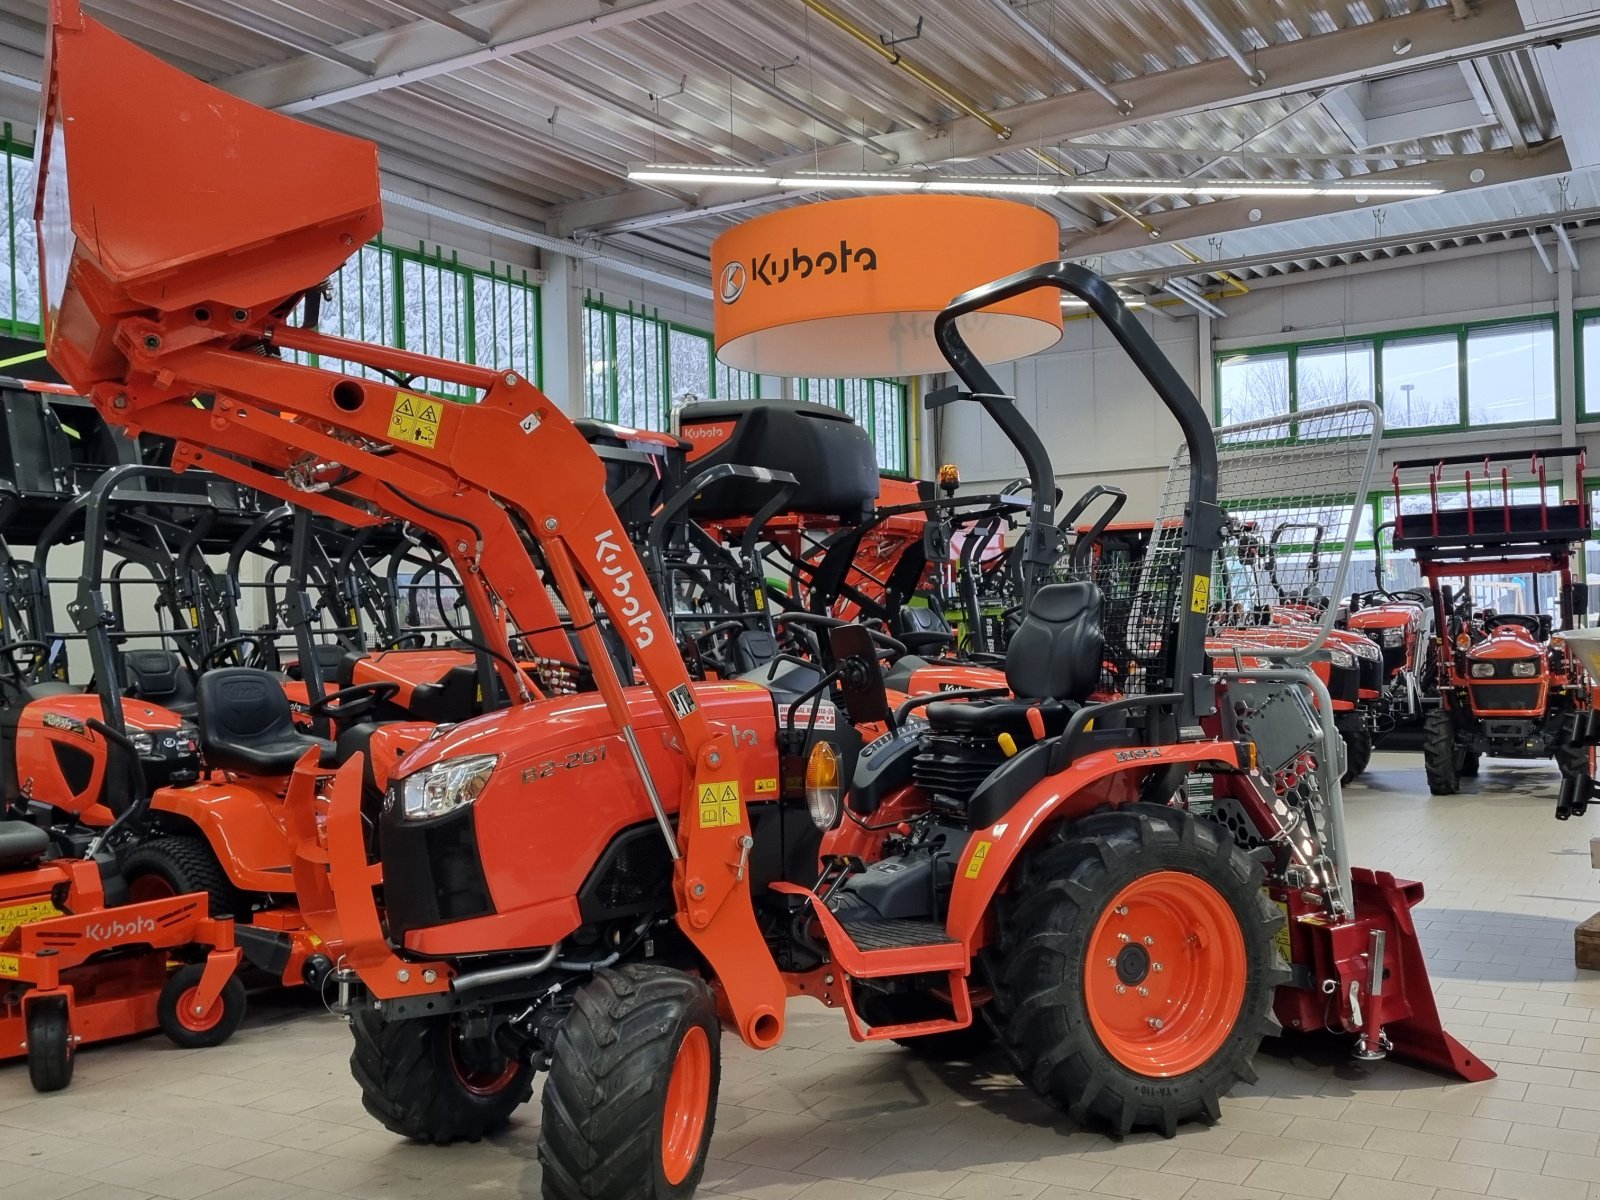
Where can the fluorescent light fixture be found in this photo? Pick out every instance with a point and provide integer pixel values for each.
(1046, 185)
(1073, 304)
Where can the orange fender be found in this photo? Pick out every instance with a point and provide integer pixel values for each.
(243, 822)
(1085, 785)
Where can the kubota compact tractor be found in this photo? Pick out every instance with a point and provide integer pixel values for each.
(596, 885)
(1506, 687)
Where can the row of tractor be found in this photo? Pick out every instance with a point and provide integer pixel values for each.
(545, 747)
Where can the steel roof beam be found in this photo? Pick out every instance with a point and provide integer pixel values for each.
(426, 48)
(1329, 60)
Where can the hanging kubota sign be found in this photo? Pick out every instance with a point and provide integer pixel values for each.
(851, 287)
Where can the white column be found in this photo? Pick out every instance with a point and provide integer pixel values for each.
(561, 310)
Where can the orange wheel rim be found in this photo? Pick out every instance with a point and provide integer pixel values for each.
(683, 1123)
(1165, 975)
(150, 887)
(198, 1022)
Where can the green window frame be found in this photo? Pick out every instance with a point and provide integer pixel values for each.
(1375, 344)
(1582, 321)
(878, 405)
(19, 300)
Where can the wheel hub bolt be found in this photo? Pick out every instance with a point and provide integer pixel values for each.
(1122, 937)
(1111, 962)
(1144, 991)
(1120, 989)
(1155, 966)
(1156, 1022)
(1149, 941)
(1122, 910)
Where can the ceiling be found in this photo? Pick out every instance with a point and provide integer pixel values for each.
(532, 111)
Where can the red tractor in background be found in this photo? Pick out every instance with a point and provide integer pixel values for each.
(1505, 685)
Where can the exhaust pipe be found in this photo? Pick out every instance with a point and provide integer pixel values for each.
(476, 981)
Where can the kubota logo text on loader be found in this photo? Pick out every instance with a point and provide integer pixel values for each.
(772, 270)
(638, 616)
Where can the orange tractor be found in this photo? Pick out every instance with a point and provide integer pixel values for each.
(596, 885)
(1505, 684)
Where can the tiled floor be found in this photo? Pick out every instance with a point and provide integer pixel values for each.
(274, 1113)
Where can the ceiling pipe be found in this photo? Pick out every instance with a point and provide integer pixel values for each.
(1544, 255)
(1566, 243)
(1048, 44)
(895, 59)
(1190, 296)
(551, 245)
(1202, 13)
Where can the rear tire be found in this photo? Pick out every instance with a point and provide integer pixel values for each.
(1357, 751)
(178, 865)
(1082, 1044)
(631, 1096)
(50, 1047)
(421, 1081)
(1441, 758)
(189, 1029)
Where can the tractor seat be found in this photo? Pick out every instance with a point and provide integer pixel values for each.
(923, 630)
(246, 724)
(160, 677)
(21, 844)
(1053, 663)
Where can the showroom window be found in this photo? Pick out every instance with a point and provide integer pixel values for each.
(1491, 373)
(641, 367)
(877, 405)
(19, 302)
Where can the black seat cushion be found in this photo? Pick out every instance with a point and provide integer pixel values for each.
(160, 677)
(1056, 653)
(19, 699)
(995, 717)
(246, 725)
(21, 844)
(923, 630)
(357, 739)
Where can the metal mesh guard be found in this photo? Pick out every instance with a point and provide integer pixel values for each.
(1291, 491)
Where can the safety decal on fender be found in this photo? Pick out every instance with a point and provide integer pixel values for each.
(980, 854)
(26, 914)
(682, 700)
(767, 786)
(1201, 599)
(719, 804)
(1282, 936)
(9, 966)
(414, 419)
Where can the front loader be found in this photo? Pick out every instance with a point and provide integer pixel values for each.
(597, 885)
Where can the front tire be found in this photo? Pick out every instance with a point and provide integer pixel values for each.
(50, 1045)
(631, 1095)
(424, 1081)
(1441, 759)
(1357, 751)
(1136, 968)
(175, 1010)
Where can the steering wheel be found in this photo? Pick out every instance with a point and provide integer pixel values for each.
(1520, 620)
(406, 641)
(888, 647)
(9, 650)
(353, 703)
(234, 647)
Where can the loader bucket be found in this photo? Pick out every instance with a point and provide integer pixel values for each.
(161, 195)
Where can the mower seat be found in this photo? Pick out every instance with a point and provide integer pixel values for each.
(21, 844)
(161, 677)
(1052, 664)
(923, 630)
(246, 724)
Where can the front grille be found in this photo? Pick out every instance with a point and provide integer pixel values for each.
(951, 767)
(1394, 657)
(1506, 696)
(1371, 670)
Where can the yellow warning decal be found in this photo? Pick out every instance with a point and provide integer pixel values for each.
(1282, 936)
(9, 966)
(415, 420)
(719, 804)
(26, 914)
(975, 863)
(767, 787)
(1201, 599)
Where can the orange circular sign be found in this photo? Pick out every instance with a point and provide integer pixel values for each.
(851, 287)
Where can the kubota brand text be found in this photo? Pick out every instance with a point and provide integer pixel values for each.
(637, 615)
(110, 931)
(772, 269)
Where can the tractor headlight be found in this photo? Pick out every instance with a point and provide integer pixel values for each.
(445, 787)
(143, 744)
(1365, 649)
(1340, 657)
(822, 785)
(1394, 636)
(1482, 670)
(1526, 669)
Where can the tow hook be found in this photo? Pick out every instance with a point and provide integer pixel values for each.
(345, 980)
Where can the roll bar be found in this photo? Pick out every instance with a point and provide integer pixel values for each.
(1202, 524)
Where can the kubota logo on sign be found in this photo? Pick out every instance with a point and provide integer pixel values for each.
(771, 270)
(606, 553)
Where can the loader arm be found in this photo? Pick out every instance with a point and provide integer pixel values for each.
(168, 264)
